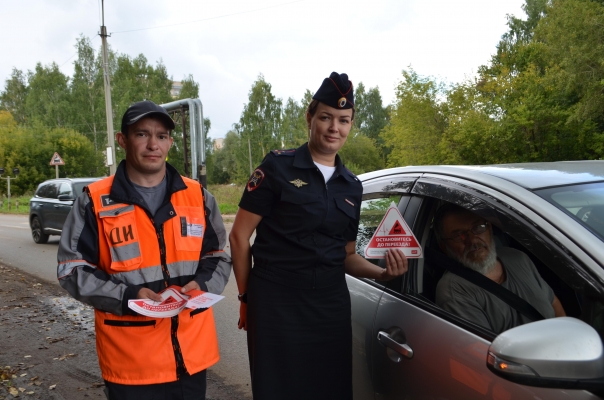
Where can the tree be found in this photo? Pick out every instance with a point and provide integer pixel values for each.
(13, 98)
(190, 88)
(360, 154)
(225, 159)
(48, 99)
(88, 95)
(417, 122)
(371, 117)
(293, 125)
(259, 125)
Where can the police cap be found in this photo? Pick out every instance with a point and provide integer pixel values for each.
(336, 91)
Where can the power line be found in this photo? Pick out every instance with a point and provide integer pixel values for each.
(210, 18)
(68, 59)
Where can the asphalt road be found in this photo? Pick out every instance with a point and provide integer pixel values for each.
(18, 250)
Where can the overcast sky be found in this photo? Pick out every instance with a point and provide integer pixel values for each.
(226, 44)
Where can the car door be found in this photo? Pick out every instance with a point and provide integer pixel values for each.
(63, 207)
(420, 351)
(52, 208)
(365, 294)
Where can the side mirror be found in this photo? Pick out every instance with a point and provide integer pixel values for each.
(563, 353)
(65, 197)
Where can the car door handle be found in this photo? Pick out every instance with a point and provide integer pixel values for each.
(401, 348)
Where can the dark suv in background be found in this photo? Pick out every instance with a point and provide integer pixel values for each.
(51, 203)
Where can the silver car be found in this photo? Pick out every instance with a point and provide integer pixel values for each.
(407, 347)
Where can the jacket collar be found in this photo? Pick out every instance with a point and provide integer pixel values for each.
(303, 159)
(123, 191)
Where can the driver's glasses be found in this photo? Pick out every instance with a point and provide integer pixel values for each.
(461, 236)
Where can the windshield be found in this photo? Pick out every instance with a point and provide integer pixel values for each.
(78, 187)
(583, 202)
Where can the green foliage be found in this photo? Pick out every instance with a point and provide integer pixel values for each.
(417, 122)
(18, 204)
(362, 153)
(227, 197)
(190, 88)
(370, 115)
(30, 149)
(53, 112)
(14, 96)
(267, 124)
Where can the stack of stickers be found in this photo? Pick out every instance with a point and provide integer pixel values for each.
(173, 302)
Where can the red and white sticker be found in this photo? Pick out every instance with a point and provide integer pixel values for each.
(393, 233)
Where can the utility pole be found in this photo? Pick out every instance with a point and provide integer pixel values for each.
(110, 152)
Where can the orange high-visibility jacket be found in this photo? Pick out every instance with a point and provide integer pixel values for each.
(138, 350)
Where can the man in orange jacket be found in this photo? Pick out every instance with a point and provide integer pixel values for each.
(130, 236)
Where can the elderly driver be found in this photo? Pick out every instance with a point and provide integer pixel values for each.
(468, 239)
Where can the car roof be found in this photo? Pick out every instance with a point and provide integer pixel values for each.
(75, 180)
(531, 176)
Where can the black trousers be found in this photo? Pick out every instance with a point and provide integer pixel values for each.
(190, 387)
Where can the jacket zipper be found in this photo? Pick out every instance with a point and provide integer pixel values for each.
(180, 363)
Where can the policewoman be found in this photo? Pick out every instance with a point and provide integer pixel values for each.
(304, 205)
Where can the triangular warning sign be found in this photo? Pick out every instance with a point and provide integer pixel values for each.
(393, 233)
(56, 159)
(397, 229)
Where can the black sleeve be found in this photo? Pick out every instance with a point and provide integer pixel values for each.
(352, 230)
(261, 190)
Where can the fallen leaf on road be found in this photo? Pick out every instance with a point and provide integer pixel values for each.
(22, 375)
(51, 387)
(27, 357)
(32, 392)
(13, 391)
(22, 390)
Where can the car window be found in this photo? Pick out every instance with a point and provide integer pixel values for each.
(513, 234)
(65, 189)
(373, 209)
(583, 202)
(78, 187)
(47, 190)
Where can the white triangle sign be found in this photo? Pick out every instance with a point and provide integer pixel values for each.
(56, 159)
(393, 233)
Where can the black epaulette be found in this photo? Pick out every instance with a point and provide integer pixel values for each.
(288, 152)
(353, 176)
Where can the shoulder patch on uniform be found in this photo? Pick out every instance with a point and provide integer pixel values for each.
(106, 201)
(255, 180)
(288, 152)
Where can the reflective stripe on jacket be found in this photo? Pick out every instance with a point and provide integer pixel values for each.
(138, 350)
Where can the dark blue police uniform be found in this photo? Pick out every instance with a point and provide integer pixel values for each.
(298, 315)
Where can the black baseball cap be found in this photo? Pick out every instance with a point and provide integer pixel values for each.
(336, 91)
(143, 109)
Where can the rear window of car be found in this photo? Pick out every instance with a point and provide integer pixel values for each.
(583, 202)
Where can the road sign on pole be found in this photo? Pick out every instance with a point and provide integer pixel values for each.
(56, 160)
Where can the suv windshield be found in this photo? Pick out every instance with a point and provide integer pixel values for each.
(584, 202)
(78, 187)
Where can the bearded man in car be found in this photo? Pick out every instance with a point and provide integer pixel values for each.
(468, 239)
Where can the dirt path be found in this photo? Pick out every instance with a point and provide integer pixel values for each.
(47, 344)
